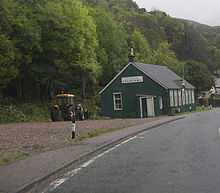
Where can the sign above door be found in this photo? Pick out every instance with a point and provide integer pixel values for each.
(132, 79)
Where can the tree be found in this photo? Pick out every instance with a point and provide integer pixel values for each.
(8, 67)
(194, 45)
(214, 58)
(198, 74)
(165, 56)
(113, 48)
(69, 42)
(22, 30)
(143, 51)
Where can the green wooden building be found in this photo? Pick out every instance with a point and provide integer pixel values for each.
(146, 90)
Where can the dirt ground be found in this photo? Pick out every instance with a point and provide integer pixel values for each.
(29, 137)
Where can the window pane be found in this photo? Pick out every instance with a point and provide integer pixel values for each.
(176, 98)
(180, 98)
(161, 102)
(117, 97)
(187, 99)
(193, 97)
(171, 98)
(183, 97)
(190, 96)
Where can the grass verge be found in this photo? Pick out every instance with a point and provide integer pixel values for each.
(9, 157)
(91, 134)
(198, 109)
(202, 109)
(26, 112)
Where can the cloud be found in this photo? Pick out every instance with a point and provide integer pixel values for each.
(203, 11)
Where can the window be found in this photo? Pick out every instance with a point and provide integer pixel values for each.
(183, 97)
(161, 102)
(190, 96)
(187, 98)
(176, 98)
(180, 97)
(171, 98)
(193, 97)
(117, 98)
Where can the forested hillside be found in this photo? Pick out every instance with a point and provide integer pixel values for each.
(47, 45)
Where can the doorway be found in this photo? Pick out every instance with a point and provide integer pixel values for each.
(147, 106)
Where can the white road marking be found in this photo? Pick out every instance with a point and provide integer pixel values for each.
(128, 140)
(56, 183)
(73, 172)
(86, 164)
(53, 185)
(219, 131)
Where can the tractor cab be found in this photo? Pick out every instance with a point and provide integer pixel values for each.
(64, 99)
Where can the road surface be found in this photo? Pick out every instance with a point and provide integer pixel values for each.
(180, 157)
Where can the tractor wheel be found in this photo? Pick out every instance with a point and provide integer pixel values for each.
(55, 115)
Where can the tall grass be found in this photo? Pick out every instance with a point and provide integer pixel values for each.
(25, 112)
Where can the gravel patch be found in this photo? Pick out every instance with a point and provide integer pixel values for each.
(37, 137)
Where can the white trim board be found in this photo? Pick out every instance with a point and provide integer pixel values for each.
(117, 109)
(115, 78)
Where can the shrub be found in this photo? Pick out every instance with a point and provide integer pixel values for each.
(11, 114)
(23, 112)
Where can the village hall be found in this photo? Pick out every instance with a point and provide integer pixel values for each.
(146, 90)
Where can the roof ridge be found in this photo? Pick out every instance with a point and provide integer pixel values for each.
(157, 65)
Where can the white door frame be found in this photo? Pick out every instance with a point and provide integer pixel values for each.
(140, 102)
(150, 105)
(141, 107)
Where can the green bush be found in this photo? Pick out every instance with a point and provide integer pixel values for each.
(35, 112)
(93, 107)
(11, 114)
(23, 112)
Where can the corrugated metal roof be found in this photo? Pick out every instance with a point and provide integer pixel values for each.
(163, 76)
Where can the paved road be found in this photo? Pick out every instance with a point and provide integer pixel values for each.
(180, 157)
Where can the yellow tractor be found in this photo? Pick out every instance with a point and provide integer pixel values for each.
(63, 105)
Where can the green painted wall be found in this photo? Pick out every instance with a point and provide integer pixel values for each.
(129, 92)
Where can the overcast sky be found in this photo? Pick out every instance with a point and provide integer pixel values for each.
(203, 11)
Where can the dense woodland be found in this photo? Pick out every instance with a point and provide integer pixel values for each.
(48, 45)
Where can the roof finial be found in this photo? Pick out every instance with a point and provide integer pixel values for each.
(131, 55)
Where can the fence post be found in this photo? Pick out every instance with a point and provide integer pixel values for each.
(73, 117)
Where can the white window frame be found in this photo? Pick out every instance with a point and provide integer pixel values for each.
(183, 97)
(190, 97)
(175, 93)
(187, 97)
(171, 98)
(180, 97)
(161, 102)
(114, 101)
(193, 97)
